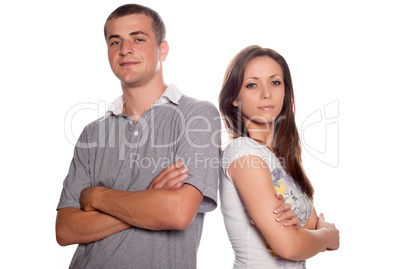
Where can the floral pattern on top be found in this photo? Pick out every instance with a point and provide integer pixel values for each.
(301, 205)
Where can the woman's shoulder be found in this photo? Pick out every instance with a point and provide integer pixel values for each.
(243, 146)
(241, 143)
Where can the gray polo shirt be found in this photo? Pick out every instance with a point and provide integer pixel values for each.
(117, 153)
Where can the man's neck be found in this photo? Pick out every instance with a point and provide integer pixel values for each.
(140, 99)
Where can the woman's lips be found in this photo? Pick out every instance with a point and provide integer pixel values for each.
(266, 108)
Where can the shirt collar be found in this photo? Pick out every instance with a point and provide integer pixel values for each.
(171, 94)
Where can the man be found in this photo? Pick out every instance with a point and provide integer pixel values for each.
(118, 202)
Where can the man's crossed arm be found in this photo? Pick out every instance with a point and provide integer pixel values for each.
(165, 205)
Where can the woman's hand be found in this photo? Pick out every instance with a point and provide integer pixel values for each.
(285, 214)
(322, 224)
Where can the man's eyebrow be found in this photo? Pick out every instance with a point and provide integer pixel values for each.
(131, 34)
(139, 33)
(113, 36)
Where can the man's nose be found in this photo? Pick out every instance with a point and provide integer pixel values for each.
(126, 48)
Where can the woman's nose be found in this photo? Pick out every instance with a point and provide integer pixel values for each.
(265, 92)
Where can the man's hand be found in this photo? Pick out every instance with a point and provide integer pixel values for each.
(88, 195)
(171, 177)
(288, 216)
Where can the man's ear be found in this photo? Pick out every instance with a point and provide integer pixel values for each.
(164, 50)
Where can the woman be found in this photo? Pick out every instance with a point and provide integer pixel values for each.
(264, 157)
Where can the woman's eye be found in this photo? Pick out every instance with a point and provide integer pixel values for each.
(276, 82)
(251, 85)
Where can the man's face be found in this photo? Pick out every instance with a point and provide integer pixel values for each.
(133, 52)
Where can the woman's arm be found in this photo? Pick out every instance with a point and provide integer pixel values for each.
(253, 181)
(312, 222)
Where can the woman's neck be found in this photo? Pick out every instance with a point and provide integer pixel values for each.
(262, 133)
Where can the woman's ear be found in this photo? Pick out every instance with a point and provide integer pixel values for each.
(234, 103)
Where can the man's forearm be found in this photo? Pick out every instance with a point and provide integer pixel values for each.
(154, 209)
(74, 226)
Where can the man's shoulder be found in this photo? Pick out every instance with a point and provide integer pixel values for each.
(102, 122)
(190, 104)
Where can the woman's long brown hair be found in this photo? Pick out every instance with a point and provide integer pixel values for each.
(286, 144)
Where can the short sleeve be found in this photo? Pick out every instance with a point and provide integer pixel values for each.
(200, 150)
(243, 146)
(78, 177)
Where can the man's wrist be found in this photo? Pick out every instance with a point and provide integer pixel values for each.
(96, 196)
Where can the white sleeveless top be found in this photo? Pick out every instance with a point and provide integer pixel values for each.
(250, 247)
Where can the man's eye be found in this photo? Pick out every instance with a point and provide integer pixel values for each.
(251, 85)
(139, 40)
(114, 43)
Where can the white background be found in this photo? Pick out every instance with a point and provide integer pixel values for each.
(342, 54)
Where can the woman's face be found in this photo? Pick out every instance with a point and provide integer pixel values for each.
(261, 96)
